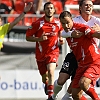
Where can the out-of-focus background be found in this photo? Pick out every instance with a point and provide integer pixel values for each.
(20, 78)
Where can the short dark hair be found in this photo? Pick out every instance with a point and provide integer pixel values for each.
(47, 3)
(65, 14)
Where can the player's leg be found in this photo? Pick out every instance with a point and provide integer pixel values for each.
(58, 85)
(44, 74)
(51, 62)
(88, 88)
(85, 76)
(68, 94)
(77, 94)
(65, 72)
(69, 90)
(45, 81)
(87, 82)
(76, 90)
(73, 66)
(51, 68)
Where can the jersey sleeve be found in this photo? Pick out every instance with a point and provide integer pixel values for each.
(4, 29)
(66, 34)
(89, 31)
(32, 29)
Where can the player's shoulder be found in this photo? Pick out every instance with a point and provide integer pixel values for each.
(77, 17)
(80, 25)
(95, 18)
(56, 20)
(5, 25)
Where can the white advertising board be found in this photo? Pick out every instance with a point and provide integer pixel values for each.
(23, 84)
(26, 84)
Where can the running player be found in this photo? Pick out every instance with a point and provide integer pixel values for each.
(87, 54)
(69, 65)
(46, 32)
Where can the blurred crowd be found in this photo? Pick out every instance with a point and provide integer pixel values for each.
(17, 6)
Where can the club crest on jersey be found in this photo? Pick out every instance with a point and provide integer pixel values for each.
(87, 31)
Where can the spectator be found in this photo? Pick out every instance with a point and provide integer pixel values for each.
(38, 6)
(9, 3)
(19, 6)
(63, 3)
(58, 6)
(4, 9)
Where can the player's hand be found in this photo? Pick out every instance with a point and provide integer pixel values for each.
(28, 7)
(61, 41)
(96, 27)
(43, 37)
(76, 34)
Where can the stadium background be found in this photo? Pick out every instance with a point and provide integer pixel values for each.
(18, 54)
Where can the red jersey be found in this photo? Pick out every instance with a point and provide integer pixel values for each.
(51, 29)
(84, 48)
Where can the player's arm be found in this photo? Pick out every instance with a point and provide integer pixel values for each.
(90, 32)
(21, 16)
(36, 39)
(73, 33)
(96, 35)
(61, 39)
(96, 28)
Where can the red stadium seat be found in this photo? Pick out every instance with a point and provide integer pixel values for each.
(68, 2)
(11, 19)
(28, 20)
(73, 2)
(7, 2)
(19, 6)
(58, 6)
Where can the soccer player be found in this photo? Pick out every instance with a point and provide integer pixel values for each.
(45, 32)
(87, 54)
(69, 65)
(85, 17)
(7, 27)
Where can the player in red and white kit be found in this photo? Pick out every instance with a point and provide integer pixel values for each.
(45, 32)
(70, 64)
(87, 54)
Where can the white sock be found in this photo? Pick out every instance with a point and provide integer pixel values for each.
(67, 96)
(56, 90)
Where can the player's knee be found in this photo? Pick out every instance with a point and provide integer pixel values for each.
(84, 83)
(63, 77)
(61, 81)
(75, 96)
